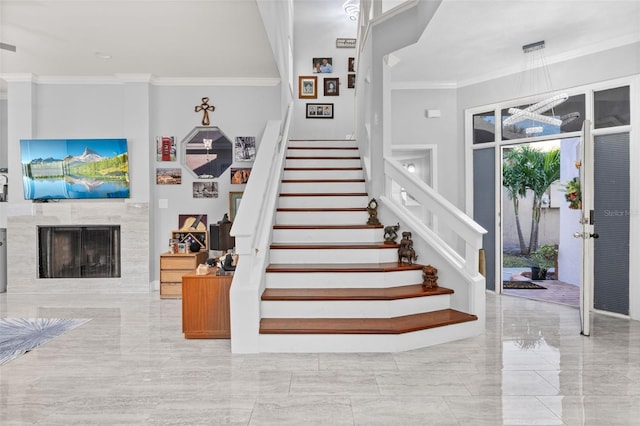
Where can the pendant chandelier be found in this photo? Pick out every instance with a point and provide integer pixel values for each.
(537, 67)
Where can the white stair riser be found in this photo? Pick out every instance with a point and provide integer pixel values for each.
(333, 256)
(323, 174)
(353, 308)
(365, 235)
(342, 279)
(322, 187)
(315, 162)
(312, 201)
(316, 343)
(322, 218)
(324, 144)
(322, 152)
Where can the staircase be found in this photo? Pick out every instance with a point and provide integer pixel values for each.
(332, 284)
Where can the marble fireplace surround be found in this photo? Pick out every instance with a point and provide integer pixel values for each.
(22, 250)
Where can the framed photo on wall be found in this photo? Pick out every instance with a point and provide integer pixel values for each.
(240, 176)
(322, 65)
(307, 87)
(168, 175)
(332, 86)
(351, 66)
(234, 204)
(351, 81)
(166, 148)
(319, 111)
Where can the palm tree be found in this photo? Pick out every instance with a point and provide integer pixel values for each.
(526, 168)
(548, 171)
(513, 181)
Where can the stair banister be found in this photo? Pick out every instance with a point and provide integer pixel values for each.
(252, 231)
(445, 212)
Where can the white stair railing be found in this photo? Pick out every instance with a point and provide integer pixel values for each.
(252, 230)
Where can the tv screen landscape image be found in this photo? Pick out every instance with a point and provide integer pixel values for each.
(54, 169)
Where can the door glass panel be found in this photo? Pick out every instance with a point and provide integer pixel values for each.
(611, 107)
(484, 127)
(563, 118)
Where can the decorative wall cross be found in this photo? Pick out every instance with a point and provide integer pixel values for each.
(205, 108)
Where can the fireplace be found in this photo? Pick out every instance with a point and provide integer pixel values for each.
(69, 251)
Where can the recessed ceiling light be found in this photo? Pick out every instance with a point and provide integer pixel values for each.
(103, 55)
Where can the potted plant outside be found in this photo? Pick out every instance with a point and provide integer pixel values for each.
(573, 194)
(543, 259)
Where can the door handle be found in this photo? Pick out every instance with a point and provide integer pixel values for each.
(586, 235)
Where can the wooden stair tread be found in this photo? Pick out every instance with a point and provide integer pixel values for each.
(353, 226)
(354, 148)
(324, 194)
(315, 169)
(343, 267)
(326, 140)
(387, 293)
(322, 180)
(327, 157)
(333, 246)
(396, 325)
(321, 209)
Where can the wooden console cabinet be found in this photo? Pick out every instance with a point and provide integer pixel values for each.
(173, 267)
(205, 306)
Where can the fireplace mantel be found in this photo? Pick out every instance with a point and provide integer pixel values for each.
(22, 246)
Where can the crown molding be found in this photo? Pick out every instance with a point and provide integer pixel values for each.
(423, 85)
(138, 78)
(240, 81)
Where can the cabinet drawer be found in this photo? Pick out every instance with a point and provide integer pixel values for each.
(173, 275)
(178, 262)
(170, 290)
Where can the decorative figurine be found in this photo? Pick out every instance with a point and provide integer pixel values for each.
(391, 233)
(406, 250)
(429, 277)
(372, 209)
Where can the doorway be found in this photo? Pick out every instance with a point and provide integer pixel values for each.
(540, 257)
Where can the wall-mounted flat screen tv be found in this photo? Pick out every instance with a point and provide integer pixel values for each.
(54, 169)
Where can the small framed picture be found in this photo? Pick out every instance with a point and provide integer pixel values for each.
(168, 176)
(331, 86)
(234, 204)
(166, 148)
(307, 87)
(240, 176)
(322, 65)
(182, 248)
(351, 66)
(351, 81)
(319, 111)
(245, 148)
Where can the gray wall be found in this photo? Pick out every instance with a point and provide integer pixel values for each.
(409, 125)
(3, 133)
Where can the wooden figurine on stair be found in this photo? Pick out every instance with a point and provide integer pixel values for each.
(391, 233)
(406, 250)
(372, 209)
(429, 277)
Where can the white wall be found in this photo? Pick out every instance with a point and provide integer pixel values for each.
(315, 36)
(240, 111)
(139, 112)
(3, 132)
(410, 126)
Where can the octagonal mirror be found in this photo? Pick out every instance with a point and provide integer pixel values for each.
(207, 152)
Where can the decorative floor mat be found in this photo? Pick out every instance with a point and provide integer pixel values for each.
(521, 285)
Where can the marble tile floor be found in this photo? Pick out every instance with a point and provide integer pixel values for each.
(131, 365)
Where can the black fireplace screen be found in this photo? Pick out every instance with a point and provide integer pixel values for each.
(79, 251)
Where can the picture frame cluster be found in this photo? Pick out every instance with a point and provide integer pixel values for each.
(308, 86)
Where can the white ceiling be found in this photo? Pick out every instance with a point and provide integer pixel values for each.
(467, 41)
